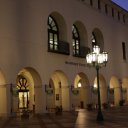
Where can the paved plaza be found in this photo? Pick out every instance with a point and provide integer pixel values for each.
(116, 117)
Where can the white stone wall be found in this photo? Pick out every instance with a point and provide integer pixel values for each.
(23, 39)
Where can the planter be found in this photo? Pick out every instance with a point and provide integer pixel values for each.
(105, 105)
(89, 107)
(58, 109)
(25, 114)
(121, 102)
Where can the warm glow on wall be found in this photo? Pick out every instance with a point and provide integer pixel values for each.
(95, 86)
(79, 84)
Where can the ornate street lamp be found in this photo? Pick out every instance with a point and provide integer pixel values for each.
(97, 59)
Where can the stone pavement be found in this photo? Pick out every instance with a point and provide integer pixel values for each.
(116, 117)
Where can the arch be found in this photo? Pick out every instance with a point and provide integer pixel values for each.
(102, 81)
(61, 25)
(125, 89)
(34, 97)
(82, 78)
(114, 82)
(53, 34)
(60, 96)
(3, 94)
(125, 82)
(83, 97)
(75, 40)
(103, 89)
(99, 40)
(116, 96)
(83, 33)
(60, 76)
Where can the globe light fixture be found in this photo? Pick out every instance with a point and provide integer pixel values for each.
(97, 59)
(79, 84)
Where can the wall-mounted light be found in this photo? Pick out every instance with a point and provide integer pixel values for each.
(95, 85)
(79, 84)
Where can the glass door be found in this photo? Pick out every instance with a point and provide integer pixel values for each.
(23, 99)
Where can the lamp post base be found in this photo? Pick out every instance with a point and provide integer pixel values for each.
(100, 116)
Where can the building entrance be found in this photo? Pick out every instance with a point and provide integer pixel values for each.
(28, 89)
(23, 99)
(23, 93)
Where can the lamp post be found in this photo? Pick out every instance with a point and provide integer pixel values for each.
(97, 59)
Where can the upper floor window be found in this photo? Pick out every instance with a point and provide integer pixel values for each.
(53, 34)
(93, 40)
(112, 12)
(106, 8)
(99, 6)
(97, 39)
(118, 15)
(75, 40)
(91, 2)
(124, 50)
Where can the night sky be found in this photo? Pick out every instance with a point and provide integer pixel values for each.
(122, 3)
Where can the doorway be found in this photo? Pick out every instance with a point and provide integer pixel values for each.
(29, 91)
(23, 92)
(23, 99)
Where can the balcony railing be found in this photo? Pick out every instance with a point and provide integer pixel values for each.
(63, 48)
(83, 52)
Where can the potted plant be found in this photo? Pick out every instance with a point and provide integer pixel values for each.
(58, 109)
(121, 102)
(105, 105)
(25, 114)
(89, 106)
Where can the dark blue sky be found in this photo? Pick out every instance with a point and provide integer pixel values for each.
(122, 3)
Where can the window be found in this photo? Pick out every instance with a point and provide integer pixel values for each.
(75, 40)
(53, 34)
(118, 15)
(91, 2)
(106, 8)
(124, 50)
(99, 6)
(93, 40)
(124, 18)
(112, 12)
